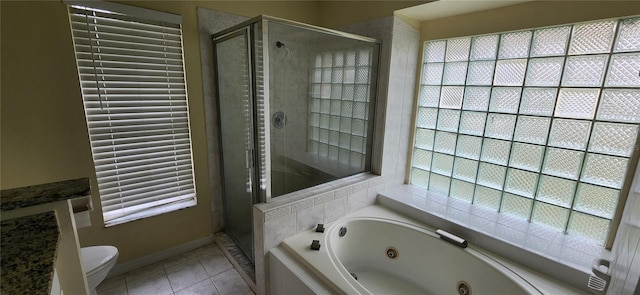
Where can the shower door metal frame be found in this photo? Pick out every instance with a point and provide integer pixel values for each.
(251, 154)
(262, 166)
(261, 182)
(260, 154)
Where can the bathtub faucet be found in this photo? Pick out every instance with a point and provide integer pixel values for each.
(453, 239)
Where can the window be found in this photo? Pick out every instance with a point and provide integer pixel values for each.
(341, 82)
(540, 124)
(131, 72)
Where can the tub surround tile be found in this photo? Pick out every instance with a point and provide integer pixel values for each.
(308, 218)
(458, 216)
(462, 206)
(374, 189)
(483, 225)
(357, 201)
(277, 213)
(360, 187)
(304, 204)
(343, 192)
(279, 229)
(323, 198)
(33, 195)
(335, 209)
(29, 247)
(537, 244)
(511, 235)
(513, 222)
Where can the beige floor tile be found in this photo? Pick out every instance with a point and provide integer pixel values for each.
(204, 287)
(186, 274)
(155, 284)
(230, 283)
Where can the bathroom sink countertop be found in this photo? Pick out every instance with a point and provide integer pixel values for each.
(22, 197)
(29, 249)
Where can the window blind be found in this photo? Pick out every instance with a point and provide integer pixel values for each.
(133, 87)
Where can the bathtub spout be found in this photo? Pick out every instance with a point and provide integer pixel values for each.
(453, 239)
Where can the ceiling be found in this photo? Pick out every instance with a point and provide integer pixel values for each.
(445, 8)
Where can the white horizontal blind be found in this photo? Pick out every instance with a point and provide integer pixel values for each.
(133, 87)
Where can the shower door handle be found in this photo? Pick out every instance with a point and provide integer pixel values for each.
(249, 158)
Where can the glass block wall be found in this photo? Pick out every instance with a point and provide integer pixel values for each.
(339, 107)
(540, 124)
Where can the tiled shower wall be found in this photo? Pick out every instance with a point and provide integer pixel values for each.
(626, 249)
(300, 211)
(289, 91)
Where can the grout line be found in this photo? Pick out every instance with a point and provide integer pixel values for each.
(173, 291)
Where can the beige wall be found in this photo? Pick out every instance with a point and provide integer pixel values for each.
(43, 130)
(523, 16)
(44, 135)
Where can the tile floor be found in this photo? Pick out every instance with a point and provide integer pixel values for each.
(202, 271)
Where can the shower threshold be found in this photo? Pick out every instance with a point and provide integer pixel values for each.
(235, 255)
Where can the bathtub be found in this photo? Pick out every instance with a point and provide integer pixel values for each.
(384, 252)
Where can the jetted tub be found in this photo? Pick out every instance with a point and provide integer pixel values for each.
(392, 254)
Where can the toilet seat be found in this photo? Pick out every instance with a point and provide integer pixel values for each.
(97, 257)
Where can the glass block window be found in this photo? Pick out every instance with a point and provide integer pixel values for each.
(540, 124)
(340, 105)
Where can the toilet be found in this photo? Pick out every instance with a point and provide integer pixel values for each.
(97, 261)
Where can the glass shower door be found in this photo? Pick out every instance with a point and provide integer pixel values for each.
(233, 60)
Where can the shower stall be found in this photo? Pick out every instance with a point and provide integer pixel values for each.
(296, 106)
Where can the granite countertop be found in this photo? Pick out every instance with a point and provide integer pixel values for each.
(27, 196)
(30, 243)
(29, 248)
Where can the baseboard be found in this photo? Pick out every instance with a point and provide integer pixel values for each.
(128, 266)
